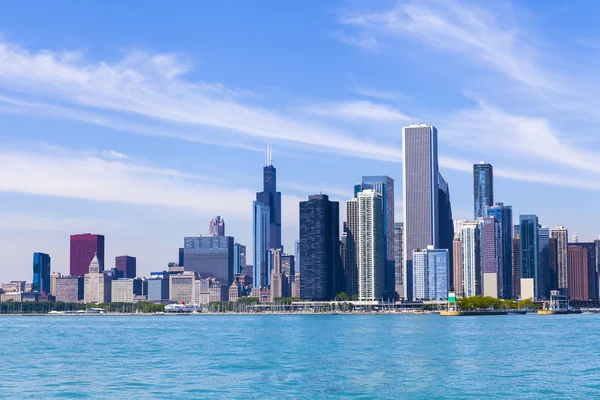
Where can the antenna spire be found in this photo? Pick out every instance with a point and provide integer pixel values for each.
(269, 154)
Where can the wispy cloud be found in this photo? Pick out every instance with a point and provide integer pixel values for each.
(379, 94)
(360, 110)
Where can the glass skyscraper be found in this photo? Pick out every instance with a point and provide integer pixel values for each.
(483, 188)
(503, 214)
(431, 274)
(420, 194)
(398, 257)
(41, 273)
(446, 224)
(322, 275)
(211, 256)
(544, 263)
(471, 252)
(271, 198)
(384, 185)
(529, 240)
(261, 240)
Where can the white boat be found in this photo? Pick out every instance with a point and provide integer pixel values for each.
(181, 308)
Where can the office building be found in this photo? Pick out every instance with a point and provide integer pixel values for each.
(504, 215)
(41, 273)
(288, 264)
(544, 262)
(97, 285)
(53, 277)
(127, 290)
(491, 252)
(234, 292)
(483, 188)
(181, 257)
(530, 251)
(181, 287)
(553, 278)
(430, 274)
(239, 258)
(446, 224)
(471, 258)
(384, 186)
(351, 232)
(271, 198)
(420, 194)
(592, 280)
(398, 258)
(457, 265)
(68, 289)
(218, 292)
(561, 234)
(261, 238)
(83, 249)
(370, 246)
(216, 227)
(210, 256)
(158, 288)
(322, 277)
(578, 272)
(202, 291)
(126, 265)
(516, 256)
(278, 278)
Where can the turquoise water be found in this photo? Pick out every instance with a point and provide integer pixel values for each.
(298, 356)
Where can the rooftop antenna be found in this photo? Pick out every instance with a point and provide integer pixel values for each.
(269, 155)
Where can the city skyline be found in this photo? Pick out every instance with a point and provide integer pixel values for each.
(81, 167)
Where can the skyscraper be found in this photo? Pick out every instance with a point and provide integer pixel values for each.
(239, 258)
(544, 263)
(371, 245)
(41, 273)
(384, 185)
(457, 284)
(127, 265)
(491, 248)
(217, 227)
(83, 249)
(503, 214)
(322, 277)
(578, 272)
(561, 235)
(210, 256)
(471, 258)
(516, 256)
(483, 188)
(446, 224)
(592, 280)
(271, 198)
(430, 274)
(351, 262)
(553, 278)
(261, 238)
(398, 257)
(529, 252)
(420, 194)
(97, 284)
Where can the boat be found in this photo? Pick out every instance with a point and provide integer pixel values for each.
(181, 308)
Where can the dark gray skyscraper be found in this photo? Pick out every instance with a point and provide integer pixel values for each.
(529, 252)
(271, 198)
(384, 185)
(483, 188)
(420, 194)
(211, 256)
(446, 224)
(322, 275)
(504, 215)
(398, 258)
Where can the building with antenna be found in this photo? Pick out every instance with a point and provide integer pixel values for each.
(271, 198)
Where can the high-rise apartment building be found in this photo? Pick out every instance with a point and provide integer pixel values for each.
(483, 188)
(210, 256)
(530, 251)
(561, 235)
(471, 258)
(322, 276)
(83, 249)
(351, 262)
(261, 232)
(371, 246)
(216, 227)
(503, 214)
(271, 198)
(41, 273)
(457, 265)
(430, 274)
(384, 185)
(420, 194)
(398, 257)
(126, 265)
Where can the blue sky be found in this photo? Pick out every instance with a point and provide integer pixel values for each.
(142, 120)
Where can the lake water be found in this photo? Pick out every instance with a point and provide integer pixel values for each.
(300, 356)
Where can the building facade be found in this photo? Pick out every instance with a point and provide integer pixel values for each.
(471, 258)
(69, 289)
(97, 285)
(126, 290)
(216, 227)
(239, 258)
(504, 215)
(322, 277)
(271, 198)
(83, 249)
(261, 238)
(457, 276)
(181, 287)
(371, 246)
(210, 256)
(483, 188)
(351, 232)
(578, 273)
(41, 273)
(516, 267)
(544, 262)
(561, 234)
(398, 256)
(420, 194)
(431, 274)
(530, 251)
(126, 265)
(446, 223)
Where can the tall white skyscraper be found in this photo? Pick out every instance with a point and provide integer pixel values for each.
(471, 254)
(371, 246)
(430, 274)
(561, 235)
(420, 195)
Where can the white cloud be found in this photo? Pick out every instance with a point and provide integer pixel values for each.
(379, 94)
(360, 110)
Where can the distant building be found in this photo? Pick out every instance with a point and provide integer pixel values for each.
(503, 214)
(217, 227)
(261, 230)
(350, 264)
(398, 258)
(127, 265)
(218, 292)
(202, 291)
(446, 224)
(68, 289)
(516, 256)
(53, 277)
(211, 256)
(457, 265)
(561, 234)
(84, 248)
(234, 292)
(97, 285)
(544, 263)
(181, 257)
(271, 199)
(295, 286)
(553, 278)
(529, 236)
(491, 256)
(128, 289)
(41, 273)
(483, 188)
(370, 246)
(239, 258)
(430, 271)
(471, 258)
(158, 288)
(322, 276)
(578, 273)
(592, 271)
(181, 287)
(288, 264)
(278, 279)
